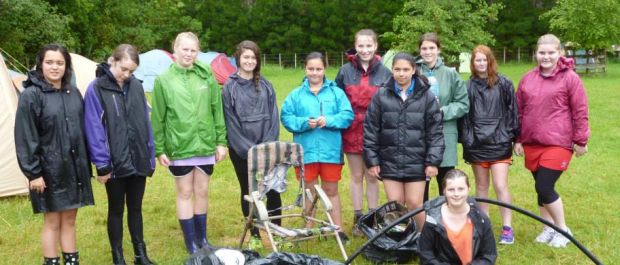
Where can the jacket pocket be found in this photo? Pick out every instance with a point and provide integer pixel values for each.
(485, 130)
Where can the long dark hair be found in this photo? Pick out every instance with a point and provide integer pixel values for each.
(252, 46)
(411, 60)
(66, 78)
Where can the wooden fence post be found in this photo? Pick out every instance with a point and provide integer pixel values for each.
(280, 59)
(295, 60)
(504, 55)
(519, 54)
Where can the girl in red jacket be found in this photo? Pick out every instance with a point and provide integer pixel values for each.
(553, 113)
(360, 79)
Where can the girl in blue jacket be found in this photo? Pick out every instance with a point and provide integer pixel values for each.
(316, 112)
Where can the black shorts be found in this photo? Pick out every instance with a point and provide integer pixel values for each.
(180, 171)
(404, 180)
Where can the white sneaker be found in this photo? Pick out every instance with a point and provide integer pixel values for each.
(546, 236)
(559, 240)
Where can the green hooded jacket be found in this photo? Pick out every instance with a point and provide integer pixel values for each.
(187, 115)
(454, 104)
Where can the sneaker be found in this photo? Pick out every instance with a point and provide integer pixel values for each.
(344, 238)
(255, 243)
(507, 237)
(559, 240)
(545, 237)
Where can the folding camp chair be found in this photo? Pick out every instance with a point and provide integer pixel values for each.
(268, 164)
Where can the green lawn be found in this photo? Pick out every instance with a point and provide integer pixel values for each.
(588, 189)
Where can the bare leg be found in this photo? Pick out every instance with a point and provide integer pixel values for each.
(331, 189)
(482, 185)
(556, 212)
(356, 170)
(67, 231)
(201, 191)
(309, 210)
(500, 184)
(394, 190)
(414, 195)
(50, 235)
(185, 206)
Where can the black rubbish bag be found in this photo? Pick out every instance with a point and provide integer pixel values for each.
(282, 258)
(397, 245)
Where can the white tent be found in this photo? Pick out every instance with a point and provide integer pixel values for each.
(84, 70)
(12, 181)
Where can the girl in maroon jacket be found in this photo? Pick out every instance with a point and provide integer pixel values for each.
(360, 79)
(553, 113)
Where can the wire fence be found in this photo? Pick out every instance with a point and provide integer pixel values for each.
(337, 58)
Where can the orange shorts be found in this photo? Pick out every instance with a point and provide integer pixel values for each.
(328, 172)
(487, 164)
(552, 157)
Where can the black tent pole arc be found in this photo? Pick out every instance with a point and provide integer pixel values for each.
(485, 200)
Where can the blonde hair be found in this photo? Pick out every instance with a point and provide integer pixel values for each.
(188, 35)
(549, 39)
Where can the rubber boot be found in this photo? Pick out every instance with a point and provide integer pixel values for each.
(187, 225)
(200, 222)
(117, 256)
(71, 258)
(139, 249)
(51, 261)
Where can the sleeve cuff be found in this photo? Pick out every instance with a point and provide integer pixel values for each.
(104, 170)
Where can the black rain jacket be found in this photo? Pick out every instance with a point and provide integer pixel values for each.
(403, 137)
(435, 247)
(50, 143)
(488, 131)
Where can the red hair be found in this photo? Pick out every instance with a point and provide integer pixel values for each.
(491, 63)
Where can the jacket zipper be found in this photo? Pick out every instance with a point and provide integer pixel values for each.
(115, 105)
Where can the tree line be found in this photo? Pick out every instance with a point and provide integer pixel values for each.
(94, 27)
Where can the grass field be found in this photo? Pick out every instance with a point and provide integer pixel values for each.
(589, 190)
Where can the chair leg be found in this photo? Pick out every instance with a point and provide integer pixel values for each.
(249, 223)
(268, 230)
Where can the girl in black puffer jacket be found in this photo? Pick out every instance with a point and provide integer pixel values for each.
(403, 139)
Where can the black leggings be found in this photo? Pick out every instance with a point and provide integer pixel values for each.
(130, 189)
(273, 197)
(440, 175)
(545, 180)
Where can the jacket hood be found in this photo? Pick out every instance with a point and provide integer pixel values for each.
(326, 83)
(420, 62)
(352, 57)
(35, 79)
(564, 64)
(418, 87)
(433, 209)
(103, 69)
(200, 68)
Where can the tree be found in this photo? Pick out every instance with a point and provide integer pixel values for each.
(460, 25)
(518, 23)
(27, 25)
(589, 24)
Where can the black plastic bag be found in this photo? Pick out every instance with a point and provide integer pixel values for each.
(399, 244)
(208, 257)
(282, 258)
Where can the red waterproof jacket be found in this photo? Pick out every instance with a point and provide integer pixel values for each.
(359, 86)
(553, 110)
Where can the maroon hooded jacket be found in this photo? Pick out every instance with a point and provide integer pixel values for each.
(553, 110)
(359, 86)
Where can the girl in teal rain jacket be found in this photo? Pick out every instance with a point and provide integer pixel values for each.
(316, 113)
